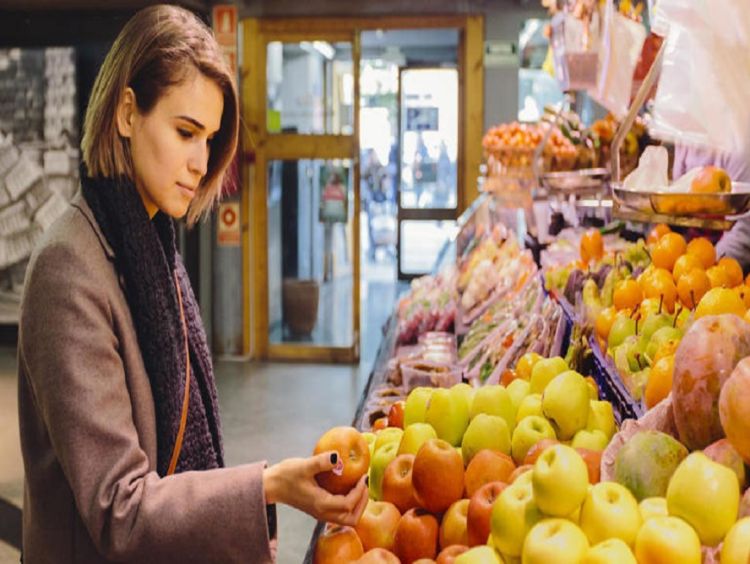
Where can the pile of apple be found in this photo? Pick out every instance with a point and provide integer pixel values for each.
(644, 325)
(433, 483)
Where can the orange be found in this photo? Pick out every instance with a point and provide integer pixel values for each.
(604, 322)
(733, 271)
(703, 250)
(592, 246)
(718, 277)
(718, 301)
(692, 286)
(661, 287)
(659, 381)
(685, 264)
(657, 233)
(667, 250)
(627, 295)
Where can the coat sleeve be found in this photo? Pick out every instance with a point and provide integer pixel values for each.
(70, 352)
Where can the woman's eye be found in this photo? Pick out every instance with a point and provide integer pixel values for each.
(184, 133)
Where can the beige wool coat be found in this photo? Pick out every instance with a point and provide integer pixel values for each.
(88, 429)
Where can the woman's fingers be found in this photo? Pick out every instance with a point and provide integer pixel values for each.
(325, 461)
(347, 509)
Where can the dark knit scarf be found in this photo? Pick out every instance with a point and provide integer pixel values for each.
(146, 257)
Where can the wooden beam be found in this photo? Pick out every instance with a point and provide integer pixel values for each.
(288, 146)
(309, 353)
(472, 107)
(330, 25)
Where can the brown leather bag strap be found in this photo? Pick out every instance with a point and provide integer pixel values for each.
(186, 399)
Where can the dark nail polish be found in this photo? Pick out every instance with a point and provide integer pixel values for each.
(334, 458)
(367, 481)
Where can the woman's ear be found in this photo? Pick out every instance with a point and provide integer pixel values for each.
(126, 110)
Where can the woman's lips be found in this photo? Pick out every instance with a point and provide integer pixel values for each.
(187, 190)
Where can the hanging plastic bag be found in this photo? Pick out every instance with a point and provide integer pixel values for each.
(575, 44)
(705, 77)
(621, 43)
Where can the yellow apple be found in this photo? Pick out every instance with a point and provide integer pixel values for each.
(415, 435)
(611, 551)
(555, 540)
(544, 371)
(378, 463)
(736, 549)
(370, 439)
(565, 404)
(653, 507)
(448, 415)
(514, 513)
(478, 555)
(493, 400)
(415, 407)
(453, 527)
(485, 432)
(602, 418)
(531, 404)
(706, 494)
(667, 540)
(592, 440)
(529, 431)
(517, 389)
(387, 435)
(465, 391)
(560, 480)
(610, 511)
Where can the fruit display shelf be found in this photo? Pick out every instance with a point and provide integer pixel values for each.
(612, 387)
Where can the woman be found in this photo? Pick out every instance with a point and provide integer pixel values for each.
(120, 432)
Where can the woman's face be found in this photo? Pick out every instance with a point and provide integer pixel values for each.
(170, 145)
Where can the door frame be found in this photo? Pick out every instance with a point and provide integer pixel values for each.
(260, 147)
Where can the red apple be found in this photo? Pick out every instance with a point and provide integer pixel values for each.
(377, 526)
(487, 466)
(352, 450)
(396, 415)
(480, 511)
(448, 555)
(724, 453)
(378, 556)
(453, 526)
(518, 471)
(534, 452)
(437, 475)
(337, 544)
(416, 536)
(397, 488)
(593, 460)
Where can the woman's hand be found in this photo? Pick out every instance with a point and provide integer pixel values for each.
(292, 482)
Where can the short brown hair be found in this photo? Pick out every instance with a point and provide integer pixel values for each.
(158, 48)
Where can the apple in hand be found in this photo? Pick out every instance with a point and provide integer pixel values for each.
(696, 480)
(514, 513)
(487, 466)
(601, 418)
(485, 432)
(416, 536)
(380, 461)
(453, 528)
(529, 431)
(479, 555)
(448, 415)
(337, 544)
(378, 556)
(544, 371)
(664, 540)
(353, 452)
(555, 540)
(437, 476)
(396, 486)
(736, 549)
(493, 400)
(565, 403)
(415, 435)
(560, 480)
(415, 407)
(480, 512)
(610, 551)
(610, 511)
(377, 526)
(653, 507)
(592, 440)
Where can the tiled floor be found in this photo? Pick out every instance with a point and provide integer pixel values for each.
(269, 412)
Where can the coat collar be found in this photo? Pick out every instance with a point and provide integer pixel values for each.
(80, 202)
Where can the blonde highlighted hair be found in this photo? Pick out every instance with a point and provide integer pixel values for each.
(158, 48)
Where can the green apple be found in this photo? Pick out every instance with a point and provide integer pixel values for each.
(370, 438)
(529, 431)
(622, 328)
(494, 400)
(592, 440)
(513, 515)
(555, 540)
(543, 372)
(736, 549)
(530, 405)
(478, 555)
(653, 507)
(660, 337)
(610, 551)
(485, 432)
(448, 415)
(706, 495)
(518, 389)
(561, 481)
(668, 539)
(378, 463)
(415, 435)
(465, 391)
(387, 435)
(415, 407)
(610, 511)
(653, 323)
(601, 418)
(565, 404)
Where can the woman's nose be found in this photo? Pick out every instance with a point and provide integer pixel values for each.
(198, 161)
